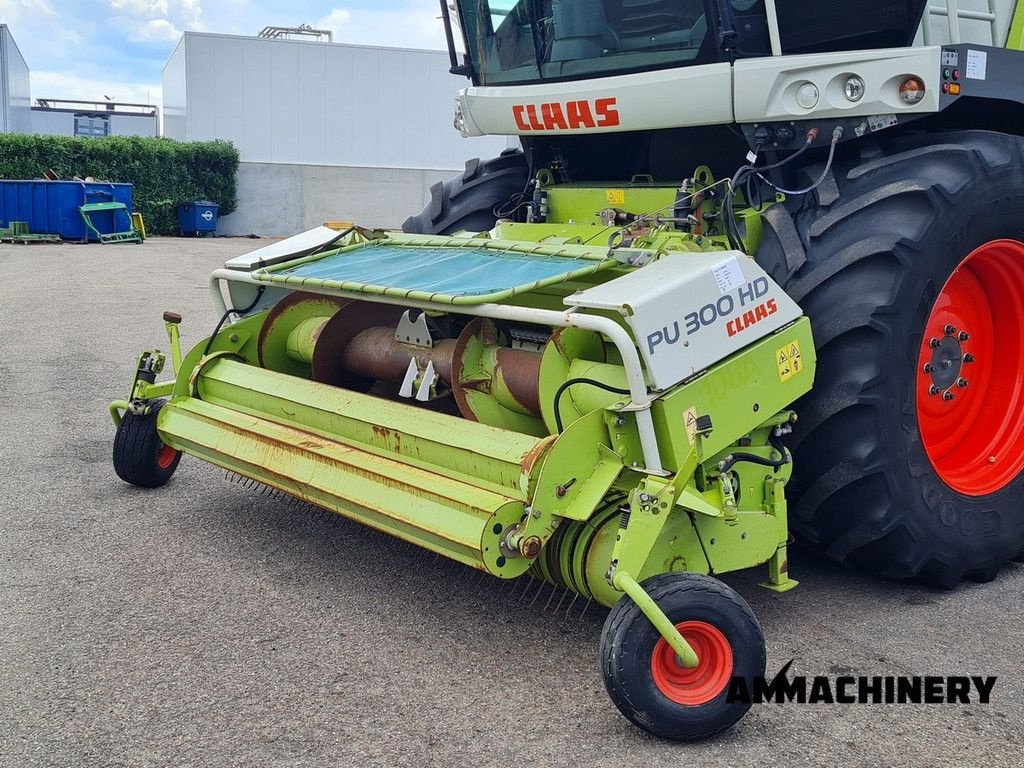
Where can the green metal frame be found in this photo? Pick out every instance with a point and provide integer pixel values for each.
(1015, 38)
(130, 235)
(509, 495)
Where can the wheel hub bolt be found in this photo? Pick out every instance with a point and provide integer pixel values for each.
(991, 459)
(933, 390)
(933, 343)
(968, 358)
(947, 396)
(963, 336)
(949, 330)
(962, 383)
(928, 368)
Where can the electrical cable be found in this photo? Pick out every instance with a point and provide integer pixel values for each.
(228, 313)
(837, 134)
(573, 382)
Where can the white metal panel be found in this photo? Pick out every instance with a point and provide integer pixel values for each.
(132, 125)
(395, 109)
(256, 140)
(688, 311)
(703, 96)
(201, 88)
(17, 98)
(311, 143)
(229, 113)
(174, 108)
(765, 89)
(284, 101)
(321, 104)
(53, 123)
(339, 114)
(365, 116)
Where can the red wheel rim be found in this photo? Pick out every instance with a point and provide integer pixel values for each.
(165, 456)
(970, 379)
(701, 684)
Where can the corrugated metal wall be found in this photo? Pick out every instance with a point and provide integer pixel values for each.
(15, 96)
(283, 101)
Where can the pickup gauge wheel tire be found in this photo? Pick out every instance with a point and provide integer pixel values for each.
(644, 677)
(140, 457)
(909, 449)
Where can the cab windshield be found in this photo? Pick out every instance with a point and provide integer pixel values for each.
(537, 40)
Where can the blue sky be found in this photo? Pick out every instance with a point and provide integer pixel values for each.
(88, 49)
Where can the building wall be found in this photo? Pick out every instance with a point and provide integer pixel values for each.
(57, 122)
(291, 101)
(15, 95)
(280, 199)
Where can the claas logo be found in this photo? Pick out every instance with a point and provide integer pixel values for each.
(566, 116)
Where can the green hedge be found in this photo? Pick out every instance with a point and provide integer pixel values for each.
(164, 172)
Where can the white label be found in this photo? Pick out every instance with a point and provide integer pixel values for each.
(751, 157)
(951, 58)
(728, 275)
(977, 65)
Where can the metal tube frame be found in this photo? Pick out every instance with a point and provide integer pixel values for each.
(570, 318)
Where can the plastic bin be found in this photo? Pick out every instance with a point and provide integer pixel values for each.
(197, 218)
(51, 207)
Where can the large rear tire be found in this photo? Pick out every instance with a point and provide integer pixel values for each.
(908, 451)
(467, 201)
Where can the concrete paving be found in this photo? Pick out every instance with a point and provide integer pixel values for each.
(205, 625)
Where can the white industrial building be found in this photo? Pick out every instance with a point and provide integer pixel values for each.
(324, 130)
(15, 96)
(67, 117)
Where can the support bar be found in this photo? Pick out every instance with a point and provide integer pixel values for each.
(662, 623)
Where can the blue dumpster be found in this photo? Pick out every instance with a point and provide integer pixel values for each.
(51, 207)
(197, 218)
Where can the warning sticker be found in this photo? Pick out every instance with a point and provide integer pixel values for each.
(691, 424)
(615, 196)
(789, 360)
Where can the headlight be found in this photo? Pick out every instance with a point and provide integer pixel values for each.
(807, 95)
(854, 88)
(912, 90)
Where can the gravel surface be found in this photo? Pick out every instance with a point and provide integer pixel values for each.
(205, 625)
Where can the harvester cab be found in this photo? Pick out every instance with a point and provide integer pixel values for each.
(580, 362)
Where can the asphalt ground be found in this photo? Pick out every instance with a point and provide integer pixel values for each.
(203, 624)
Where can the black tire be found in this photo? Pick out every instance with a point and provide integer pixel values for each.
(467, 201)
(628, 645)
(880, 243)
(140, 457)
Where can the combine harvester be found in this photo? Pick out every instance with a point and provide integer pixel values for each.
(581, 360)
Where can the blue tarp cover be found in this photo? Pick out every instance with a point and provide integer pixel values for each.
(451, 271)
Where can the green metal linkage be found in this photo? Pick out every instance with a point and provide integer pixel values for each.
(625, 582)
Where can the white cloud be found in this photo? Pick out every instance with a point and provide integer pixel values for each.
(154, 30)
(186, 14)
(58, 85)
(12, 9)
(414, 26)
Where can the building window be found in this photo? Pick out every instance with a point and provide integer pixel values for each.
(92, 125)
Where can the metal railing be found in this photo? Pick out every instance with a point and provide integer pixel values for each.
(954, 15)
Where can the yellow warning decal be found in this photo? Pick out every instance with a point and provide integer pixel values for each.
(615, 196)
(691, 424)
(789, 360)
